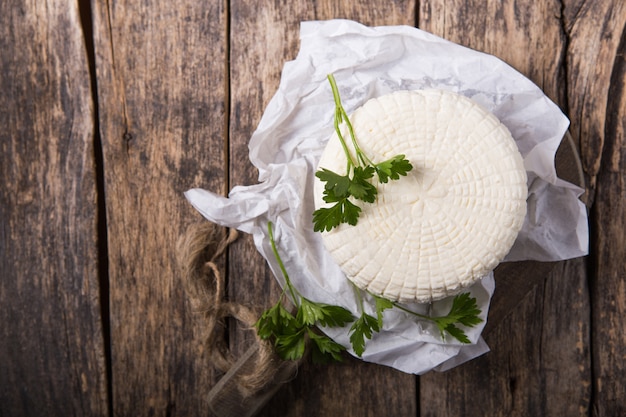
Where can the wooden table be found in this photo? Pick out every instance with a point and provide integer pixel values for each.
(111, 109)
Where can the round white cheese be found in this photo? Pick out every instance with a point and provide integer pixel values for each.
(452, 219)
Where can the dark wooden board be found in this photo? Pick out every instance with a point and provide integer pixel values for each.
(604, 153)
(52, 360)
(162, 105)
(597, 105)
(95, 318)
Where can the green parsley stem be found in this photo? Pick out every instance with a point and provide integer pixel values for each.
(422, 316)
(292, 290)
(340, 114)
(359, 297)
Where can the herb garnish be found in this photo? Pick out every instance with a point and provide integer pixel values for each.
(464, 310)
(289, 333)
(339, 188)
(366, 325)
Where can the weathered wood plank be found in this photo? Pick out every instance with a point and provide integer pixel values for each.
(51, 340)
(597, 32)
(264, 36)
(608, 286)
(532, 357)
(161, 87)
(534, 341)
(565, 341)
(164, 106)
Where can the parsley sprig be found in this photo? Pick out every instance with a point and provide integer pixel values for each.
(365, 326)
(464, 311)
(338, 189)
(290, 333)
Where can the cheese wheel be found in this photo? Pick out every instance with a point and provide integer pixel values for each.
(452, 219)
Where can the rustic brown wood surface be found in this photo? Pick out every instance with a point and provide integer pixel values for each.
(52, 344)
(161, 96)
(110, 110)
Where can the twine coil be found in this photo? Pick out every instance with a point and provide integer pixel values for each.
(198, 251)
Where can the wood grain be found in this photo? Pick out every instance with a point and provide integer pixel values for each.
(94, 318)
(606, 164)
(51, 340)
(595, 32)
(596, 95)
(538, 366)
(161, 88)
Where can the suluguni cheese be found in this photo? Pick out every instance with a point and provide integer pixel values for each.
(452, 219)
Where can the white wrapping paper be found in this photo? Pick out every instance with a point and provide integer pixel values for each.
(369, 62)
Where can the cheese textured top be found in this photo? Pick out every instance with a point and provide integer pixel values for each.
(452, 219)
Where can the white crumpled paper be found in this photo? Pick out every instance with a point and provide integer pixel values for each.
(369, 62)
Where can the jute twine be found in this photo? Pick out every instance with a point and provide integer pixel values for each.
(198, 251)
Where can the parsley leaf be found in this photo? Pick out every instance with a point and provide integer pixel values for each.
(326, 218)
(337, 190)
(338, 184)
(275, 321)
(455, 332)
(291, 346)
(324, 348)
(326, 315)
(366, 325)
(360, 188)
(362, 329)
(382, 304)
(465, 311)
(393, 168)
